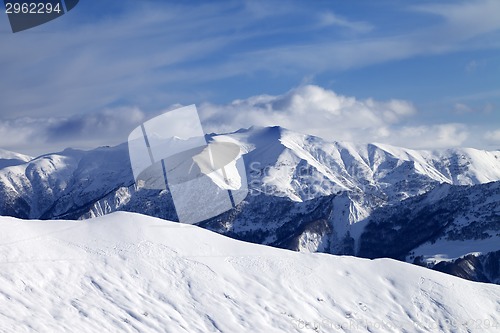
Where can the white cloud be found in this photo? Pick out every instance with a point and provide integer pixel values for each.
(314, 110)
(466, 18)
(430, 136)
(330, 18)
(462, 26)
(471, 66)
(152, 55)
(493, 136)
(307, 109)
(42, 135)
(84, 67)
(462, 108)
(19, 133)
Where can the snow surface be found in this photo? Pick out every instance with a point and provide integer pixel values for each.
(126, 272)
(9, 158)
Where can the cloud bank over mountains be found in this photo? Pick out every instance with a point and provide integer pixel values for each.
(44, 135)
(315, 110)
(309, 109)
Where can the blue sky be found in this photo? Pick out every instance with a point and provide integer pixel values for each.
(422, 74)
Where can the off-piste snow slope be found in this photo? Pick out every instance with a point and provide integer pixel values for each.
(126, 272)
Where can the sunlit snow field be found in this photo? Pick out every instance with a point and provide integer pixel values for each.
(131, 273)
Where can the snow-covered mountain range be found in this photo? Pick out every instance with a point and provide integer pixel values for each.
(127, 272)
(434, 208)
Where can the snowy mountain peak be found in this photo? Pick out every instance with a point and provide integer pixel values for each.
(293, 161)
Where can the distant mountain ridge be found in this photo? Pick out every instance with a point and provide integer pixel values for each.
(306, 194)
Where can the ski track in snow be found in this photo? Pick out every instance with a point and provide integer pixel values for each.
(126, 272)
